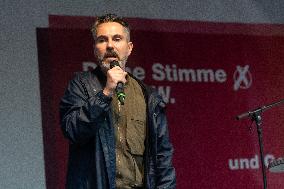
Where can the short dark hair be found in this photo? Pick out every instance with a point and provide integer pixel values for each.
(109, 18)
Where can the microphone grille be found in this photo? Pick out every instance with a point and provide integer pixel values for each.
(114, 63)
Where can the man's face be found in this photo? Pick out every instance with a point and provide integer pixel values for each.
(112, 43)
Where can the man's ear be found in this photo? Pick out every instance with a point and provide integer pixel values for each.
(94, 48)
(130, 47)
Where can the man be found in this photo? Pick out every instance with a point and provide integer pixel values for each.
(114, 145)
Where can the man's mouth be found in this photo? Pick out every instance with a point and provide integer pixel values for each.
(110, 57)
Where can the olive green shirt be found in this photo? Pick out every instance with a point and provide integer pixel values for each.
(130, 124)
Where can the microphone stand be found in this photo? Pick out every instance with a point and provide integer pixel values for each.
(255, 115)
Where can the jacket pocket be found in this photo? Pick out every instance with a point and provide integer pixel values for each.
(135, 136)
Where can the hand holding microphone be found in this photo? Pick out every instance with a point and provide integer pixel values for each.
(115, 81)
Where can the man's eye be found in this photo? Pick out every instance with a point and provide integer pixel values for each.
(101, 40)
(117, 39)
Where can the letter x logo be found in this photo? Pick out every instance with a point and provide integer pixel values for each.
(242, 78)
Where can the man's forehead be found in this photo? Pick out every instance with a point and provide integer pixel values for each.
(108, 28)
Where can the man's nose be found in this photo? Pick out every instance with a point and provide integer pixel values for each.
(110, 44)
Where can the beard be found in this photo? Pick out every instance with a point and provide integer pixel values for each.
(105, 65)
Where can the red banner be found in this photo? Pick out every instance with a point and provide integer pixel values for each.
(207, 78)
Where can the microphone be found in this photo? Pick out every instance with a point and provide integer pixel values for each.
(120, 86)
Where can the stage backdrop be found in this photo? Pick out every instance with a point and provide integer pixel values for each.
(207, 73)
